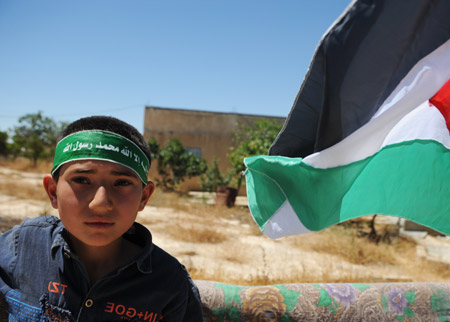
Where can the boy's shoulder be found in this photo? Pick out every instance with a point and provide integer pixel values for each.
(168, 269)
(162, 260)
(38, 228)
(160, 254)
(153, 258)
(41, 221)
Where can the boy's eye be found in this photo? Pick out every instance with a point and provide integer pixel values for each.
(81, 180)
(123, 183)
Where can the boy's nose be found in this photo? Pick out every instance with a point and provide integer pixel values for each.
(101, 201)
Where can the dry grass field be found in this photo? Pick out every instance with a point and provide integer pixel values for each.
(225, 245)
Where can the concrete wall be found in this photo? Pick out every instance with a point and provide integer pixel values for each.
(210, 132)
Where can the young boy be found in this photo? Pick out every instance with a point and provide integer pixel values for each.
(95, 263)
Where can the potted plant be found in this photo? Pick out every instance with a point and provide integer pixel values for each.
(213, 180)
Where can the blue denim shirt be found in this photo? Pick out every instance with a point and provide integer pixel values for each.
(43, 280)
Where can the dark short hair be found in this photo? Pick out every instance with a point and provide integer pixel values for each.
(106, 123)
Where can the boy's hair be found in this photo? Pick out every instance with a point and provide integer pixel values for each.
(106, 123)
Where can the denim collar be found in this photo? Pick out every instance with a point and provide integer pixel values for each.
(140, 235)
(137, 234)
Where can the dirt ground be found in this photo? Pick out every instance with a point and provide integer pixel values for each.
(243, 255)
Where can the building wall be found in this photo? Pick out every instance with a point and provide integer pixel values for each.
(210, 132)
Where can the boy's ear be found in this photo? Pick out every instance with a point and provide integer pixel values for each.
(146, 193)
(50, 187)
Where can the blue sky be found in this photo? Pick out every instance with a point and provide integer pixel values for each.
(71, 59)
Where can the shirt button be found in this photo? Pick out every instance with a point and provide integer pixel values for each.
(88, 303)
(67, 255)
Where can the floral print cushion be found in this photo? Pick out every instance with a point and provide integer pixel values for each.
(320, 302)
(326, 302)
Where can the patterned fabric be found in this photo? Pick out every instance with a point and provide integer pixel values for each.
(321, 302)
(326, 302)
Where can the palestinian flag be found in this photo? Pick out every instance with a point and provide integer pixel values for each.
(369, 130)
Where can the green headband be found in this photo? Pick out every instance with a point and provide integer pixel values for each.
(101, 145)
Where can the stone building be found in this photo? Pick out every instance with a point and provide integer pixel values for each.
(206, 134)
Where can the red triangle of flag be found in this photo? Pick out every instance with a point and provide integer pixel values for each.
(442, 102)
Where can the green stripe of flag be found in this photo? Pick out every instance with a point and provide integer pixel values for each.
(375, 185)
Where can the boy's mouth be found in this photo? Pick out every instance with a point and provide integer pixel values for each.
(99, 224)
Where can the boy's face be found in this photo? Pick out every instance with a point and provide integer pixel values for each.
(98, 201)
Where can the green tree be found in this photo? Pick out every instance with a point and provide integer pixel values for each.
(153, 145)
(212, 178)
(35, 137)
(4, 151)
(175, 164)
(53, 139)
(251, 140)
